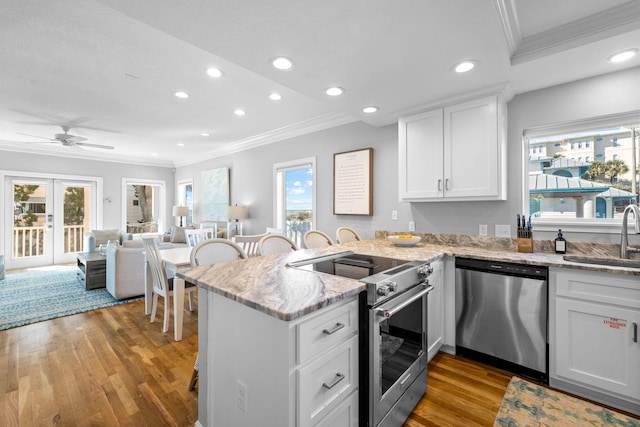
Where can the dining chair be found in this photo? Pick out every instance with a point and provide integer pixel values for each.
(210, 252)
(162, 282)
(249, 243)
(316, 239)
(195, 236)
(347, 234)
(276, 243)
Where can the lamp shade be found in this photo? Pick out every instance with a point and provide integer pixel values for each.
(236, 212)
(180, 210)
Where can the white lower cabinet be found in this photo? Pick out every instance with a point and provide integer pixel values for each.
(256, 369)
(435, 314)
(595, 342)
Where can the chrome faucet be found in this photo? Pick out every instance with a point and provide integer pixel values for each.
(625, 249)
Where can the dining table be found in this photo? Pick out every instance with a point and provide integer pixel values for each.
(174, 259)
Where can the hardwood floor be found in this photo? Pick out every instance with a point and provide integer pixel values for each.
(111, 367)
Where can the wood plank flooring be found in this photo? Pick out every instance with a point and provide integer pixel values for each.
(111, 367)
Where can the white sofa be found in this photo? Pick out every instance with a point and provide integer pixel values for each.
(94, 238)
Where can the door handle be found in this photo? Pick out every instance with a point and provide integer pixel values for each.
(439, 185)
(635, 332)
(390, 312)
(446, 184)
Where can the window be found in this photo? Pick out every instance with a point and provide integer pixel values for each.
(294, 193)
(143, 206)
(580, 192)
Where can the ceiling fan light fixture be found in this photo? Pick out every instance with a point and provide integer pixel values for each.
(465, 66)
(334, 91)
(182, 95)
(282, 63)
(622, 56)
(214, 72)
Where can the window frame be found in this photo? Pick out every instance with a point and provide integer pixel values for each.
(576, 225)
(279, 208)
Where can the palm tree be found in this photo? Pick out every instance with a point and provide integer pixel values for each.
(615, 168)
(597, 169)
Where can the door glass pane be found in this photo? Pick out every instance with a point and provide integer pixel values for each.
(141, 209)
(76, 217)
(29, 220)
(400, 342)
(298, 202)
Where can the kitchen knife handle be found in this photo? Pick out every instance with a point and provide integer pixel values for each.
(635, 332)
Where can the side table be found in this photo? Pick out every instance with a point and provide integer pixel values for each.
(92, 269)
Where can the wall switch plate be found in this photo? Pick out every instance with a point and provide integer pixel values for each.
(243, 397)
(412, 226)
(503, 231)
(482, 230)
(394, 215)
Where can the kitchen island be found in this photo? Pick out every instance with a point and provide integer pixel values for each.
(253, 315)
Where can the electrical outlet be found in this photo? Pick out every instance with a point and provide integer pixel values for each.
(243, 397)
(394, 215)
(482, 230)
(503, 231)
(412, 226)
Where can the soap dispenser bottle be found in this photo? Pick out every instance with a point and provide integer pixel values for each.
(561, 244)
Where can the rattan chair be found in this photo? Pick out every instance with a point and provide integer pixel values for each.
(346, 234)
(276, 243)
(316, 239)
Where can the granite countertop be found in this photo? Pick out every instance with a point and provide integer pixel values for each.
(268, 284)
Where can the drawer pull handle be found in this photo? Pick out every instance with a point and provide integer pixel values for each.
(635, 332)
(439, 185)
(334, 329)
(339, 377)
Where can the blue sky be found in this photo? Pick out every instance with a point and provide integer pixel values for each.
(299, 186)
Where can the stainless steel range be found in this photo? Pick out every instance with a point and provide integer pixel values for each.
(393, 332)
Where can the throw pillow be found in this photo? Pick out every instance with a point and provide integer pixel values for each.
(103, 236)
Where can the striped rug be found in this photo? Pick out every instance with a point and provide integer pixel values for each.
(35, 296)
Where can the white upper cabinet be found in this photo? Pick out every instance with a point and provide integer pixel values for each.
(454, 153)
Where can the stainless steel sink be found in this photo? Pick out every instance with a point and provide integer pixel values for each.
(616, 262)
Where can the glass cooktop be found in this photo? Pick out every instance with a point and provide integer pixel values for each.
(349, 264)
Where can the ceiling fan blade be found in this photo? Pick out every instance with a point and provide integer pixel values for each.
(36, 136)
(73, 138)
(84, 144)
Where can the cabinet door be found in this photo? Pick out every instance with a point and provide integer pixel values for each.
(435, 315)
(473, 150)
(595, 346)
(420, 156)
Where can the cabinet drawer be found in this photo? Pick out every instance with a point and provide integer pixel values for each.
(598, 287)
(321, 332)
(345, 415)
(325, 383)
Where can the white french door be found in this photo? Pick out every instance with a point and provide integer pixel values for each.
(46, 218)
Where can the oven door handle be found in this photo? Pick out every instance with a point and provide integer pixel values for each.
(390, 312)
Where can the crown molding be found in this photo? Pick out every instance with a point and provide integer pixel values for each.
(304, 127)
(611, 22)
(507, 15)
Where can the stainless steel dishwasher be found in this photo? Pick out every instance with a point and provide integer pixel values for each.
(501, 315)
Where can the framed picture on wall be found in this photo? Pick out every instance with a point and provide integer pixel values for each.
(353, 182)
(215, 194)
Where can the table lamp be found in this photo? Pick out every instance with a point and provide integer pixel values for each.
(236, 213)
(180, 211)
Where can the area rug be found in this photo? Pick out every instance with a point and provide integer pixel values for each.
(42, 295)
(526, 404)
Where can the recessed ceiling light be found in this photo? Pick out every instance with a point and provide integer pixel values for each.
(465, 66)
(623, 56)
(282, 63)
(154, 154)
(370, 109)
(334, 91)
(275, 96)
(214, 72)
(182, 95)
(205, 134)
(180, 144)
(239, 112)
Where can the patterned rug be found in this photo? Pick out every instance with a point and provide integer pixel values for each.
(42, 295)
(526, 404)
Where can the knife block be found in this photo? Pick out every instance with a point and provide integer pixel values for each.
(525, 244)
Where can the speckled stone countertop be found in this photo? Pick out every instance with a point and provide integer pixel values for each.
(269, 285)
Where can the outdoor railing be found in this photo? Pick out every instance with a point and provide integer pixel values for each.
(30, 241)
(295, 231)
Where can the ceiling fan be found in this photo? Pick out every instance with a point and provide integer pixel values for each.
(68, 140)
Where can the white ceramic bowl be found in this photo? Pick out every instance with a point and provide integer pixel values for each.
(403, 241)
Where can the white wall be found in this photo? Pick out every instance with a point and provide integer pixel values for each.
(251, 180)
(112, 174)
